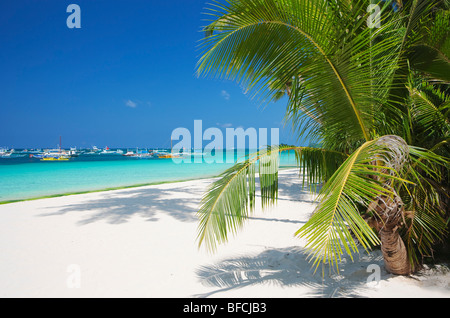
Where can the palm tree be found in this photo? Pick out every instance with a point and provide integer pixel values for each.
(376, 102)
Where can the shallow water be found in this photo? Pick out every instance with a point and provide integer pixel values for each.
(24, 178)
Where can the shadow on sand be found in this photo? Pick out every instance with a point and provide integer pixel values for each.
(119, 207)
(180, 202)
(289, 267)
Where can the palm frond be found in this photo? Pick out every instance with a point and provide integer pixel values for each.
(425, 222)
(432, 54)
(337, 220)
(317, 165)
(230, 200)
(265, 45)
(428, 115)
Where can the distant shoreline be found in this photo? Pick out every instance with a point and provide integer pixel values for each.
(102, 190)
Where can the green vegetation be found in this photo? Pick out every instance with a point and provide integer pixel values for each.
(375, 101)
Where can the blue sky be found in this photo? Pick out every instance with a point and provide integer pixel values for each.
(125, 79)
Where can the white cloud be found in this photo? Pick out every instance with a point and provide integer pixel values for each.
(130, 103)
(225, 94)
(226, 125)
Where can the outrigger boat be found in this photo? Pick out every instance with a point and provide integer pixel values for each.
(4, 153)
(11, 154)
(108, 151)
(56, 154)
(165, 155)
(55, 158)
(139, 154)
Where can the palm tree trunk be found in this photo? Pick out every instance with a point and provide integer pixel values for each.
(390, 213)
(394, 253)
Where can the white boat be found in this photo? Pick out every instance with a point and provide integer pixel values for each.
(4, 153)
(129, 154)
(139, 154)
(93, 151)
(56, 154)
(108, 151)
(73, 152)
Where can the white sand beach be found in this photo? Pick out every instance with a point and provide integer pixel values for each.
(141, 242)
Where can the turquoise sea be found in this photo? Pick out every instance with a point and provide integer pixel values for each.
(26, 178)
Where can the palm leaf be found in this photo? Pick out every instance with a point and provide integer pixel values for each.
(428, 115)
(337, 225)
(425, 224)
(264, 45)
(230, 200)
(432, 54)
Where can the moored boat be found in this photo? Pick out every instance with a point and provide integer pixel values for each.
(54, 155)
(9, 154)
(140, 154)
(62, 158)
